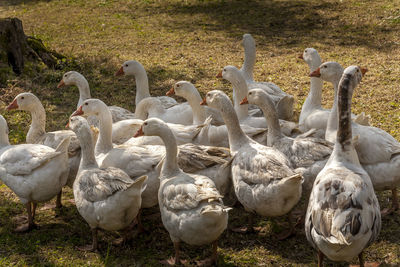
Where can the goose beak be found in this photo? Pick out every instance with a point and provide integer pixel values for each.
(78, 112)
(315, 73)
(170, 92)
(204, 102)
(139, 132)
(219, 75)
(244, 101)
(301, 56)
(13, 105)
(120, 72)
(363, 70)
(61, 84)
(67, 126)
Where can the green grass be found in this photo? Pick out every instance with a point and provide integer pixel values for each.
(193, 40)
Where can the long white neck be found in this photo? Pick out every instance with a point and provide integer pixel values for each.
(313, 100)
(38, 126)
(240, 88)
(104, 142)
(88, 159)
(249, 62)
(170, 165)
(274, 129)
(84, 90)
(199, 112)
(333, 119)
(4, 141)
(236, 136)
(142, 84)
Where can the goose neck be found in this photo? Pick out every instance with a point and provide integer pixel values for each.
(88, 159)
(4, 141)
(333, 119)
(84, 90)
(170, 164)
(104, 142)
(240, 91)
(274, 129)
(249, 62)
(236, 136)
(199, 112)
(38, 126)
(344, 134)
(142, 85)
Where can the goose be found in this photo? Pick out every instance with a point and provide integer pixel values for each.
(106, 198)
(37, 134)
(377, 150)
(35, 173)
(136, 69)
(263, 179)
(233, 75)
(144, 160)
(283, 101)
(312, 115)
(191, 207)
(217, 135)
(343, 215)
(307, 155)
(77, 79)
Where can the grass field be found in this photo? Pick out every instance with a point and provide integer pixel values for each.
(193, 40)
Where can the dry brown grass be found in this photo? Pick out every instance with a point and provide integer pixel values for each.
(193, 40)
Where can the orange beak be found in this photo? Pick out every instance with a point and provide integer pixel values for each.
(78, 112)
(139, 132)
(120, 72)
(170, 92)
(61, 84)
(363, 70)
(204, 102)
(315, 73)
(244, 101)
(67, 126)
(13, 105)
(300, 56)
(219, 75)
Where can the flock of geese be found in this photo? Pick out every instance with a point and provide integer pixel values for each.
(190, 158)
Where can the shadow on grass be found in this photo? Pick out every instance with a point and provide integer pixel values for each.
(285, 23)
(19, 2)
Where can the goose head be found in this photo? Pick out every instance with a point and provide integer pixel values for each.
(70, 78)
(328, 71)
(182, 88)
(147, 106)
(89, 107)
(231, 74)
(24, 101)
(130, 68)
(311, 57)
(354, 74)
(248, 41)
(216, 99)
(77, 124)
(257, 97)
(152, 127)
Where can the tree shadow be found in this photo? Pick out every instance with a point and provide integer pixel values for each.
(19, 2)
(287, 23)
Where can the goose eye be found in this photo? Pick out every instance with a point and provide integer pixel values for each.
(145, 123)
(177, 85)
(250, 93)
(126, 65)
(357, 70)
(325, 66)
(224, 70)
(22, 97)
(305, 51)
(86, 104)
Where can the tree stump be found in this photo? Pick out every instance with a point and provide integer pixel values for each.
(16, 47)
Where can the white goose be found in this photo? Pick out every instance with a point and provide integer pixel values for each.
(263, 180)
(233, 75)
(106, 198)
(378, 151)
(134, 68)
(37, 134)
(77, 79)
(283, 101)
(143, 160)
(217, 135)
(191, 207)
(36, 173)
(343, 215)
(307, 155)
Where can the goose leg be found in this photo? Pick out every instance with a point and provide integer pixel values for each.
(244, 229)
(139, 222)
(94, 246)
(176, 259)
(31, 225)
(360, 259)
(320, 258)
(395, 204)
(212, 261)
(58, 201)
(34, 206)
(291, 230)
